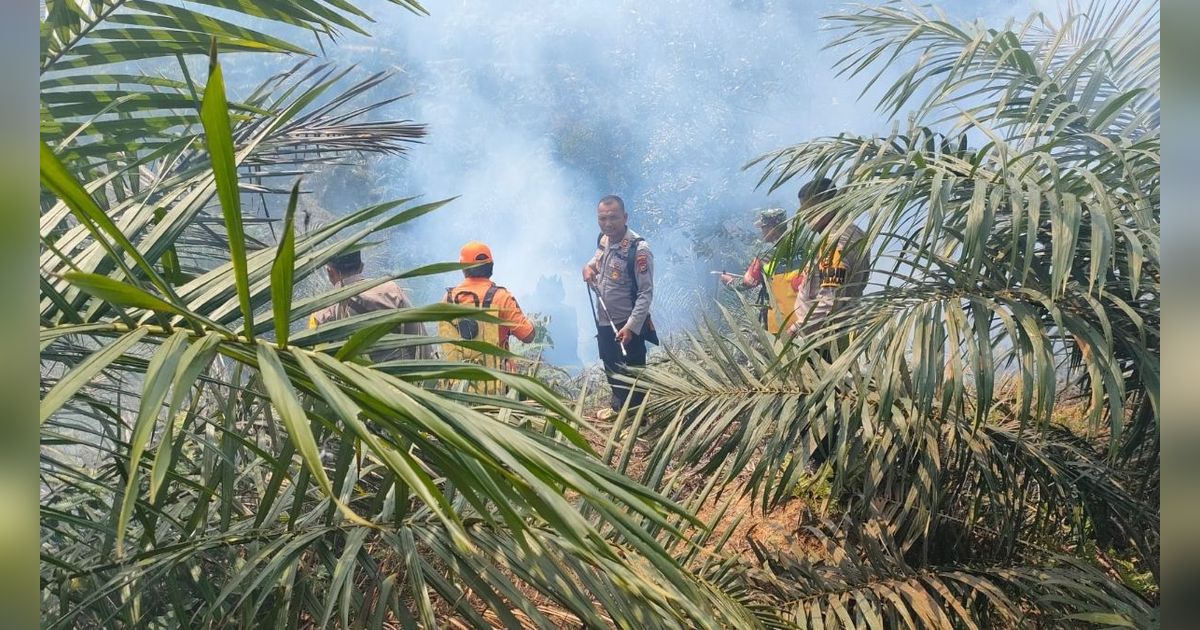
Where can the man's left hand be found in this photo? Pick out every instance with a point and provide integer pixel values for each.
(624, 336)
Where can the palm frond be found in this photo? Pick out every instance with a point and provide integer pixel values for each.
(862, 581)
(1033, 253)
(79, 34)
(176, 439)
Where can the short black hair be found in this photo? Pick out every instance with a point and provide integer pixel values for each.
(482, 271)
(608, 199)
(817, 190)
(348, 263)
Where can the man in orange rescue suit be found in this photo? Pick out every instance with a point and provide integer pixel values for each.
(477, 289)
(347, 269)
(622, 273)
(776, 280)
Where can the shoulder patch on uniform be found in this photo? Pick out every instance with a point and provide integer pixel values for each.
(643, 262)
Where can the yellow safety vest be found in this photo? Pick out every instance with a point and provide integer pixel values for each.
(473, 330)
(780, 295)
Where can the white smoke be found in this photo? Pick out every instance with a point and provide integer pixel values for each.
(537, 108)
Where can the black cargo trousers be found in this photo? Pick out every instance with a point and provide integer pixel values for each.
(615, 363)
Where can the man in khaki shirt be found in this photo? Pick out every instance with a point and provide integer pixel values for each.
(838, 278)
(834, 282)
(347, 269)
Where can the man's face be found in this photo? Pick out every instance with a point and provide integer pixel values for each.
(611, 218)
(820, 221)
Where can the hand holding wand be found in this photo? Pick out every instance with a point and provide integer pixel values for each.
(604, 307)
(727, 277)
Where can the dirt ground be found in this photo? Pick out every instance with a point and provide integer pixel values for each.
(780, 529)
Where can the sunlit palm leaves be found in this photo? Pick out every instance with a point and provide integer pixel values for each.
(862, 581)
(1038, 246)
(195, 473)
(1016, 271)
(426, 462)
(91, 95)
(168, 207)
(977, 521)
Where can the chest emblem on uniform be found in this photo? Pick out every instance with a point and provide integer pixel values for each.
(833, 270)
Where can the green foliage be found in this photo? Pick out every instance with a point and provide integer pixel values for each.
(1139, 581)
(859, 580)
(1014, 229)
(205, 462)
(816, 490)
(197, 472)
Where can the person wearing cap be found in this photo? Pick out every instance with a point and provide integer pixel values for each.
(621, 271)
(776, 280)
(345, 270)
(477, 289)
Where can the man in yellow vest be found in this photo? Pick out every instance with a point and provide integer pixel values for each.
(776, 280)
(477, 289)
(346, 269)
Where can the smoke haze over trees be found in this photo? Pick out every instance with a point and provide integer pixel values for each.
(535, 110)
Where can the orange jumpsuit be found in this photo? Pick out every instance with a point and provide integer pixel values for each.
(517, 325)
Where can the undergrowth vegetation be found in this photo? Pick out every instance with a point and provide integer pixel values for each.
(992, 401)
